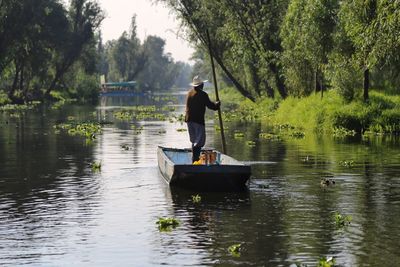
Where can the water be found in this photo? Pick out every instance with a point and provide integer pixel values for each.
(55, 211)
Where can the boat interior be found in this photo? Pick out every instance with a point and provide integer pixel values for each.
(184, 156)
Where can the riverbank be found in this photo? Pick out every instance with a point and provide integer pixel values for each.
(329, 115)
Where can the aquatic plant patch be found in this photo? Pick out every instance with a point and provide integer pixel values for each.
(341, 132)
(238, 135)
(196, 198)
(96, 166)
(347, 163)
(87, 129)
(167, 224)
(326, 262)
(235, 250)
(341, 220)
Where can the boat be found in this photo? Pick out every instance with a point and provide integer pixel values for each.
(227, 174)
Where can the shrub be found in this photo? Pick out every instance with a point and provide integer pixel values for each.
(4, 98)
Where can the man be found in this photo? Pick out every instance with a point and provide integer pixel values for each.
(196, 102)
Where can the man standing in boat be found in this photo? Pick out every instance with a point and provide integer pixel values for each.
(196, 102)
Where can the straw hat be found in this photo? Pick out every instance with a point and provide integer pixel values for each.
(197, 81)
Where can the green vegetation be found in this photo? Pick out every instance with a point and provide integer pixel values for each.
(235, 250)
(341, 220)
(196, 198)
(46, 45)
(238, 135)
(167, 224)
(326, 262)
(295, 47)
(140, 113)
(331, 115)
(87, 129)
(96, 166)
(347, 163)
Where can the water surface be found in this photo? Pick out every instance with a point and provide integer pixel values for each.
(55, 211)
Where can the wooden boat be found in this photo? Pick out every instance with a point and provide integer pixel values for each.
(176, 166)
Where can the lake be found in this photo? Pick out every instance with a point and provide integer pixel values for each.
(56, 211)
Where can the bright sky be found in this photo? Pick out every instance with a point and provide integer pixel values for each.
(151, 19)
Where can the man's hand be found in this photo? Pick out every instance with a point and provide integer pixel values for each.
(218, 103)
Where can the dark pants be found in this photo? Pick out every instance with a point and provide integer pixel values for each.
(197, 134)
(196, 153)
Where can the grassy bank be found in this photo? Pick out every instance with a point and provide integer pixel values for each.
(331, 114)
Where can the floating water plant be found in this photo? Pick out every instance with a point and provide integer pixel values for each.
(297, 134)
(137, 129)
(346, 163)
(126, 147)
(162, 131)
(181, 130)
(196, 198)
(15, 107)
(235, 250)
(327, 182)
(268, 136)
(123, 115)
(326, 262)
(343, 132)
(167, 224)
(341, 220)
(96, 166)
(251, 143)
(284, 126)
(238, 135)
(88, 130)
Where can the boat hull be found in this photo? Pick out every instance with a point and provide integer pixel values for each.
(223, 177)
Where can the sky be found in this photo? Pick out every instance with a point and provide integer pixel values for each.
(151, 19)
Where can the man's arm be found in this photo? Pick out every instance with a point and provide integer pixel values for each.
(212, 105)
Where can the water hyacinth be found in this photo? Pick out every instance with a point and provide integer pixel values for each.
(347, 163)
(235, 250)
(251, 143)
(196, 198)
(87, 129)
(238, 135)
(167, 224)
(139, 113)
(96, 166)
(341, 220)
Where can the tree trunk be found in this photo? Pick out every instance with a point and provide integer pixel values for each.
(235, 82)
(15, 83)
(317, 84)
(279, 81)
(366, 84)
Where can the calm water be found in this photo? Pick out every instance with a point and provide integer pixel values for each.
(55, 211)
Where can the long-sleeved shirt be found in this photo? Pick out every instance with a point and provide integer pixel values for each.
(196, 103)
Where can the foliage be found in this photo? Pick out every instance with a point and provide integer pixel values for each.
(96, 166)
(196, 198)
(4, 99)
(87, 129)
(326, 262)
(167, 224)
(341, 220)
(128, 59)
(294, 47)
(235, 250)
(39, 43)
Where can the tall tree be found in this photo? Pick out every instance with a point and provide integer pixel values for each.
(85, 17)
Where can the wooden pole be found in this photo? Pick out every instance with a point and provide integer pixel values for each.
(216, 94)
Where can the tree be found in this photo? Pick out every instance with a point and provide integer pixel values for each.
(358, 18)
(307, 38)
(84, 19)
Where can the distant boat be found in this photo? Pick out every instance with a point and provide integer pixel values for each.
(176, 166)
(128, 88)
